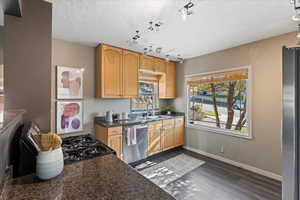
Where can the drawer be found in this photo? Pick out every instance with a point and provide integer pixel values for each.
(115, 131)
(169, 123)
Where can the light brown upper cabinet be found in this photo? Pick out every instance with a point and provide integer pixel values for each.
(130, 74)
(109, 72)
(159, 65)
(146, 63)
(167, 82)
(116, 72)
(171, 80)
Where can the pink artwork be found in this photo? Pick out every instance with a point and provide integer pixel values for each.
(69, 83)
(69, 117)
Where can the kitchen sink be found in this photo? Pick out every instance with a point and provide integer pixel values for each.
(157, 117)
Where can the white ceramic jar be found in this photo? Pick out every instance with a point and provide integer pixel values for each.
(49, 164)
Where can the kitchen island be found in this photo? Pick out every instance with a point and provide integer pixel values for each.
(104, 178)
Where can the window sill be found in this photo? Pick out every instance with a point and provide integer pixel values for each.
(220, 131)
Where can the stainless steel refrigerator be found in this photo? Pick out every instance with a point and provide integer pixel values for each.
(291, 125)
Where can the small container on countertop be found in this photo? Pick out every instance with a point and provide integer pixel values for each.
(49, 164)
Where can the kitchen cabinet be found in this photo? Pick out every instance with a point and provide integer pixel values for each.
(112, 137)
(154, 137)
(179, 132)
(130, 74)
(167, 82)
(117, 73)
(109, 72)
(170, 80)
(146, 63)
(159, 65)
(115, 142)
(168, 134)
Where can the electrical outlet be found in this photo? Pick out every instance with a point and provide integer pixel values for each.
(222, 149)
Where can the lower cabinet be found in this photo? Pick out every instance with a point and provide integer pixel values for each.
(179, 132)
(115, 142)
(154, 137)
(168, 134)
(165, 135)
(112, 137)
(162, 135)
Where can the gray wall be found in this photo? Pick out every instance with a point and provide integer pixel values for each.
(28, 61)
(265, 58)
(70, 54)
(75, 55)
(1, 44)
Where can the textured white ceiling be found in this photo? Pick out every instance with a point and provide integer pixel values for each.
(215, 25)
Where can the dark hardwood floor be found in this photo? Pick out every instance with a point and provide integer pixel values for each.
(216, 180)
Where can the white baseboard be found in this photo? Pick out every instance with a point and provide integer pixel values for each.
(237, 164)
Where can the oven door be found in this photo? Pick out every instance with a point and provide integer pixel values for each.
(135, 150)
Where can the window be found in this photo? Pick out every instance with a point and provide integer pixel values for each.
(220, 102)
(148, 98)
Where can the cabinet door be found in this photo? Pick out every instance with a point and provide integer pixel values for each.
(159, 65)
(154, 138)
(171, 80)
(179, 132)
(162, 86)
(115, 142)
(168, 134)
(146, 63)
(130, 74)
(111, 72)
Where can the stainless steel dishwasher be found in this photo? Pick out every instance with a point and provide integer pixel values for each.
(139, 150)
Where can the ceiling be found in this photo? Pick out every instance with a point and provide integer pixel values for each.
(215, 24)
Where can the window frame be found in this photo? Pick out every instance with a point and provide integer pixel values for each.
(220, 130)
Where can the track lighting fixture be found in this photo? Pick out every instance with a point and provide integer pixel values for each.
(167, 58)
(158, 50)
(145, 51)
(296, 17)
(186, 10)
(180, 59)
(298, 35)
(136, 36)
(154, 26)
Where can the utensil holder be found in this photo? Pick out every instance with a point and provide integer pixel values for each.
(49, 164)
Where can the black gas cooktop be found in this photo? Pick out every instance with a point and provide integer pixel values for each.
(83, 147)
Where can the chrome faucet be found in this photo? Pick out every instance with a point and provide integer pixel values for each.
(150, 102)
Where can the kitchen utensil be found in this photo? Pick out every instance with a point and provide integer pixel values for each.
(46, 141)
(116, 117)
(109, 116)
(56, 142)
(124, 115)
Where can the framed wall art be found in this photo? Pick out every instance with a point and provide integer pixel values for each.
(69, 82)
(69, 117)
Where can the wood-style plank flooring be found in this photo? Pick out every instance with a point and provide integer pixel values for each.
(216, 180)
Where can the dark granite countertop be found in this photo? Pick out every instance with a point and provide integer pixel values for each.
(104, 178)
(101, 120)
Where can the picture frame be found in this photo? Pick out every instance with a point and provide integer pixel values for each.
(69, 83)
(69, 117)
